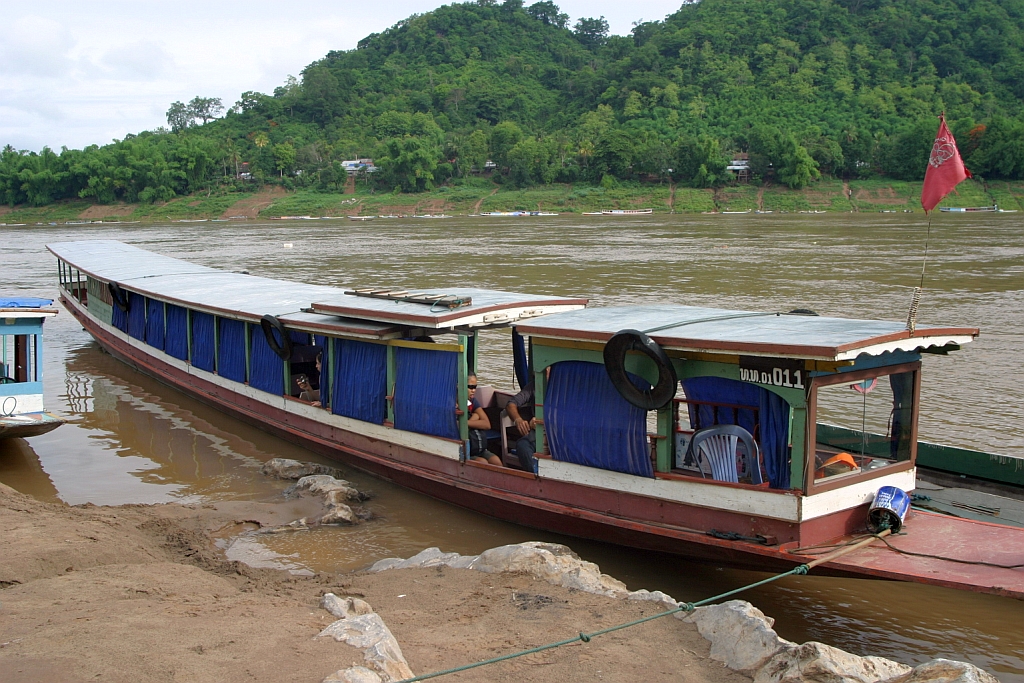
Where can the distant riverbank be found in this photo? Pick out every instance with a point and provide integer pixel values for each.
(273, 201)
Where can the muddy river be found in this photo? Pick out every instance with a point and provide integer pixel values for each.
(133, 440)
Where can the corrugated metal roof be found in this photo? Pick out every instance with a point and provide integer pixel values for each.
(251, 297)
(691, 328)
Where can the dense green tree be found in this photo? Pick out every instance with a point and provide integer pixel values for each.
(592, 33)
(806, 87)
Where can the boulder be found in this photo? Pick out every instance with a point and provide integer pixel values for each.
(818, 663)
(550, 562)
(283, 468)
(344, 608)
(665, 601)
(945, 671)
(354, 674)
(334, 490)
(741, 636)
(431, 557)
(369, 633)
(339, 514)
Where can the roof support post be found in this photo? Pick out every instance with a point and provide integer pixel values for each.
(464, 371)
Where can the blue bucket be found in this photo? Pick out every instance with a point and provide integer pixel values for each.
(889, 509)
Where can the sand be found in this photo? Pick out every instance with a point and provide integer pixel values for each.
(140, 593)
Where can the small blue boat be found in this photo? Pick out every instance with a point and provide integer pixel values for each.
(21, 367)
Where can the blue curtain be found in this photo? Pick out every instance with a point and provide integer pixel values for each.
(360, 381)
(176, 337)
(301, 338)
(320, 342)
(587, 421)
(136, 316)
(425, 391)
(231, 349)
(155, 323)
(203, 341)
(266, 369)
(119, 318)
(520, 361)
(772, 432)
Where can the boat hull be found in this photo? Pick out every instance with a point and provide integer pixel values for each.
(431, 466)
(28, 425)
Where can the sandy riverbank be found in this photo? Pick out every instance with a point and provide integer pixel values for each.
(139, 593)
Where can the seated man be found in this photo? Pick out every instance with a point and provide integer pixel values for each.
(311, 392)
(479, 423)
(521, 409)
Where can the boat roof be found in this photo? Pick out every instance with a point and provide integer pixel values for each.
(26, 307)
(314, 308)
(723, 331)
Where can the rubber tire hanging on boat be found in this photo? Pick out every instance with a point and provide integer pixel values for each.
(269, 323)
(615, 352)
(119, 296)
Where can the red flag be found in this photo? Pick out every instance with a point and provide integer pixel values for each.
(945, 168)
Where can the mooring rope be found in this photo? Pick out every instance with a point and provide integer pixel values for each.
(683, 607)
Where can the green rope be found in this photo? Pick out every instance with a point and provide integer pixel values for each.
(586, 637)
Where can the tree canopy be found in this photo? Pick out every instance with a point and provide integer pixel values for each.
(805, 87)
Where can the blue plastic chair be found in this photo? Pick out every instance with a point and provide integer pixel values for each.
(719, 445)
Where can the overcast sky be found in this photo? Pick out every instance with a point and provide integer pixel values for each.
(86, 72)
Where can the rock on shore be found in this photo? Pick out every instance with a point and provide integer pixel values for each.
(740, 635)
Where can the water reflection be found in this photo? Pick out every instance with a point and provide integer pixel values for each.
(131, 439)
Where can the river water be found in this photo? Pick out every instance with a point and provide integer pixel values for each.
(133, 440)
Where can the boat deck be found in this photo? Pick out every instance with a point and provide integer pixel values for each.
(944, 551)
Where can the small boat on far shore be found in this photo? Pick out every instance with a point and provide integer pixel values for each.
(970, 209)
(21, 368)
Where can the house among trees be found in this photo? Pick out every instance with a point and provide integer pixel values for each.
(740, 165)
(356, 165)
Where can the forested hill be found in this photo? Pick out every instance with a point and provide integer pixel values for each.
(806, 87)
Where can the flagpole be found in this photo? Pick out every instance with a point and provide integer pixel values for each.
(944, 172)
(915, 301)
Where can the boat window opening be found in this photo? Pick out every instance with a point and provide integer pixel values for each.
(155, 322)
(119, 317)
(863, 426)
(426, 391)
(266, 370)
(587, 422)
(231, 349)
(175, 331)
(302, 363)
(81, 291)
(358, 387)
(203, 353)
(136, 316)
(711, 401)
(19, 354)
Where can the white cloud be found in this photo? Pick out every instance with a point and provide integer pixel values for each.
(86, 72)
(35, 46)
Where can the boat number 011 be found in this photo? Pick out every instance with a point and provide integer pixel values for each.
(779, 372)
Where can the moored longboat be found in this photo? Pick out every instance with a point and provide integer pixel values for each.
(22, 413)
(599, 474)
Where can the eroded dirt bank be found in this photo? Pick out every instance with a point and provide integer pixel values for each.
(139, 593)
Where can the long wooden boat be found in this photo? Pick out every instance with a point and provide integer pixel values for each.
(21, 367)
(394, 374)
(969, 209)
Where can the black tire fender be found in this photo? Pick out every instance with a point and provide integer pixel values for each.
(269, 323)
(118, 295)
(615, 352)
